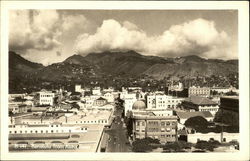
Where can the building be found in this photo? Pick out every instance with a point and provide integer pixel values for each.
(199, 91)
(178, 87)
(147, 124)
(184, 116)
(52, 128)
(161, 101)
(44, 98)
(109, 97)
(100, 102)
(200, 104)
(129, 100)
(226, 137)
(96, 91)
(229, 110)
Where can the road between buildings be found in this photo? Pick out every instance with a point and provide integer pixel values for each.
(118, 141)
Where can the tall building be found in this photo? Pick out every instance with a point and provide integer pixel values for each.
(129, 100)
(229, 110)
(147, 124)
(160, 101)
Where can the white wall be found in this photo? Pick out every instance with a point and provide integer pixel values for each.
(192, 138)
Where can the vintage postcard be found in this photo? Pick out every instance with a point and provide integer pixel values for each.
(124, 80)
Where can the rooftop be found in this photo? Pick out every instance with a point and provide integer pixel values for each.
(186, 115)
(200, 100)
(147, 117)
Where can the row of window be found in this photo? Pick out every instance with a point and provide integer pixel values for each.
(155, 123)
(168, 136)
(46, 95)
(153, 102)
(102, 121)
(42, 131)
(46, 100)
(162, 130)
(209, 109)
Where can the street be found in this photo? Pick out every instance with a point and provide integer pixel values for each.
(117, 141)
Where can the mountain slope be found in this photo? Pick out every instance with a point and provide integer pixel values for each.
(21, 65)
(129, 63)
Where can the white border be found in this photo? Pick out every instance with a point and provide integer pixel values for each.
(243, 19)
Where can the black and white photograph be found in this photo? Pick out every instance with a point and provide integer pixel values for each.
(124, 81)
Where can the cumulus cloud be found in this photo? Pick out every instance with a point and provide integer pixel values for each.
(37, 29)
(41, 29)
(198, 36)
(74, 21)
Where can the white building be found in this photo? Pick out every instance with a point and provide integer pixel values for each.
(129, 100)
(161, 101)
(199, 91)
(225, 137)
(109, 97)
(78, 88)
(96, 91)
(44, 98)
(52, 128)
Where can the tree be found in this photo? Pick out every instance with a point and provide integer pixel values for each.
(177, 146)
(198, 123)
(144, 145)
(207, 145)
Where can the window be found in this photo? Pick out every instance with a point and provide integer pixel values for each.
(31, 131)
(36, 131)
(20, 131)
(25, 131)
(10, 132)
(52, 131)
(162, 123)
(41, 131)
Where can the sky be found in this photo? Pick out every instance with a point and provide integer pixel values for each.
(50, 36)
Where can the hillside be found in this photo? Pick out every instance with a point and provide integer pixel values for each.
(109, 66)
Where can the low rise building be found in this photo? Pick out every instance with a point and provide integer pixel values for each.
(200, 104)
(100, 102)
(96, 91)
(52, 128)
(184, 116)
(44, 98)
(199, 91)
(109, 96)
(226, 137)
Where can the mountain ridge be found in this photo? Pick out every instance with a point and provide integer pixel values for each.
(132, 63)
